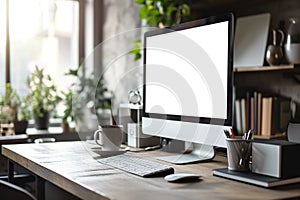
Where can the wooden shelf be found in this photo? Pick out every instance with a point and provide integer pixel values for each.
(278, 136)
(264, 68)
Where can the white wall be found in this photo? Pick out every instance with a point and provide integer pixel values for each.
(121, 27)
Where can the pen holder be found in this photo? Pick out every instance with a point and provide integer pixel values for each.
(238, 154)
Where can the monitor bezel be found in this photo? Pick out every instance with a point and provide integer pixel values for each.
(192, 24)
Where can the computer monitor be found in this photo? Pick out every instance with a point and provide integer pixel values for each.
(187, 92)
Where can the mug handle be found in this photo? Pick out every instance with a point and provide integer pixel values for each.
(97, 132)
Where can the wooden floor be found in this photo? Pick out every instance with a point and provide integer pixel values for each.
(73, 166)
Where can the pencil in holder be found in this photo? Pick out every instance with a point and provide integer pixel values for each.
(238, 154)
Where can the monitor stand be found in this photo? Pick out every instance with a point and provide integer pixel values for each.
(201, 152)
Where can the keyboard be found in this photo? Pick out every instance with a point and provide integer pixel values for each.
(137, 166)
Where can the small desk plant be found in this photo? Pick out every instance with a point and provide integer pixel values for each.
(42, 97)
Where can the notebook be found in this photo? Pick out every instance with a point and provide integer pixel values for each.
(253, 178)
(251, 37)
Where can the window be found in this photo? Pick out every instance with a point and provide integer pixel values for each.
(2, 45)
(43, 33)
(47, 33)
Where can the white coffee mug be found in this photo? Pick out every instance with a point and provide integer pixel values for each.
(109, 137)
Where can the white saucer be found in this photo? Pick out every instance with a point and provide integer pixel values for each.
(105, 153)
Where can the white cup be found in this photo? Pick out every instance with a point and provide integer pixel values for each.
(109, 137)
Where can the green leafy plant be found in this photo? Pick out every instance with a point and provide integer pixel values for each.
(137, 49)
(103, 95)
(67, 102)
(91, 97)
(23, 111)
(43, 93)
(11, 97)
(14, 109)
(10, 103)
(94, 91)
(163, 13)
(160, 13)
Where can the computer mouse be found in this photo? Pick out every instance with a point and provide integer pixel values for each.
(182, 177)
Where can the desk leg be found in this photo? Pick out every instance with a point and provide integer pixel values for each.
(40, 188)
(10, 171)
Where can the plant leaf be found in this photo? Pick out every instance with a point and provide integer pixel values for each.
(140, 1)
(143, 12)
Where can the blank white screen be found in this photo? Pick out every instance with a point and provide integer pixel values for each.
(186, 72)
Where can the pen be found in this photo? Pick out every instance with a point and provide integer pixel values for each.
(244, 136)
(232, 133)
(249, 135)
(227, 133)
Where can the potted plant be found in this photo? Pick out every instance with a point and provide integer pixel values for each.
(9, 104)
(160, 13)
(91, 101)
(14, 110)
(103, 97)
(68, 115)
(8, 110)
(23, 115)
(42, 96)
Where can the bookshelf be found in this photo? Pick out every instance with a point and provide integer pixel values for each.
(282, 80)
(275, 81)
(267, 115)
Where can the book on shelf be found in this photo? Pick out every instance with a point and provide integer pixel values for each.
(252, 114)
(257, 96)
(238, 116)
(244, 115)
(266, 115)
(248, 111)
(279, 115)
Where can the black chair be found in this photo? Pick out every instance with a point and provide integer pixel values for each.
(14, 192)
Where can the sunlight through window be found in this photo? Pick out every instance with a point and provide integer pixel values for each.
(43, 33)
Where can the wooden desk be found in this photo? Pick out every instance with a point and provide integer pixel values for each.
(74, 167)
